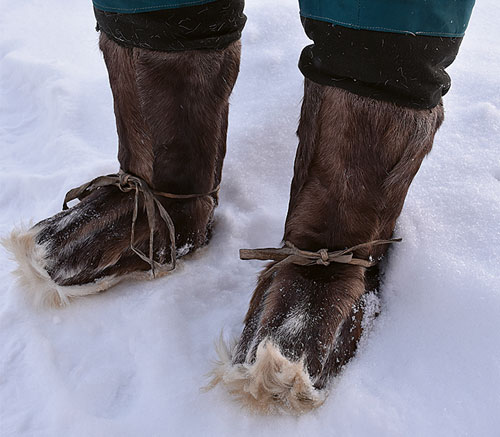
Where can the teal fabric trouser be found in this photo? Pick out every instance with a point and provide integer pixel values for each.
(392, 50)
(447, 18)
(138, 6)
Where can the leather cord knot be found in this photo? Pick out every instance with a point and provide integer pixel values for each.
(124, 183)
(290, 254)
(127, 182)
(323, 257)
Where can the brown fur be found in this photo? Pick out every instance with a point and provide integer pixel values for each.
(171, 114)
(357, 170)
(171, 110)
(355, 162)
(135, 151)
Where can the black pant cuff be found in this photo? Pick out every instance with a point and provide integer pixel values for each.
(211, 26)
(408, 70)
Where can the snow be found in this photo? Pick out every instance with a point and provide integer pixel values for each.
(131, 361)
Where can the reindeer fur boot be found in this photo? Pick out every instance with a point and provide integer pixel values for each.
(355, 162)
(171, 113)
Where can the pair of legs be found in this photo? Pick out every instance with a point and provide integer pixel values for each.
(371, 107)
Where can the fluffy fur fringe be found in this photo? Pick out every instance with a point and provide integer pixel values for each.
(31, 259)
(271, 384)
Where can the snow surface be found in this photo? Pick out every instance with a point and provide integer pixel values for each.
(131, 361)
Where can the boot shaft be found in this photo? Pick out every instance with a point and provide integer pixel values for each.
(355, 162)
(171, 113)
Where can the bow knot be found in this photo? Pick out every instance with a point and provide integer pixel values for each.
(290, 254)
(323, 253)
(127, 182)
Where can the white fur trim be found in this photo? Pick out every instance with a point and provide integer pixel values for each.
(31, 258)
(271, 384)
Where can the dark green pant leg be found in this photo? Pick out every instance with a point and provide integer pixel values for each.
(393, 50)
(446, 18)
(139, 6)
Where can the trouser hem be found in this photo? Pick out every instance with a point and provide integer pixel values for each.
(210, 26)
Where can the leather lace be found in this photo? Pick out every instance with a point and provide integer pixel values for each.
(127, 182)
(290, 254)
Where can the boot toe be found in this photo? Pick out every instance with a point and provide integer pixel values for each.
(87, 249)
(302, 327)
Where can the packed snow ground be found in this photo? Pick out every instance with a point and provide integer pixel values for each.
(131, 361)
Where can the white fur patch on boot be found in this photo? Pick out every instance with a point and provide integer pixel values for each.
(32, 260)
(271, 384)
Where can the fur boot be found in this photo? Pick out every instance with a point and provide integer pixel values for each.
(171, 113)
(355, 162)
